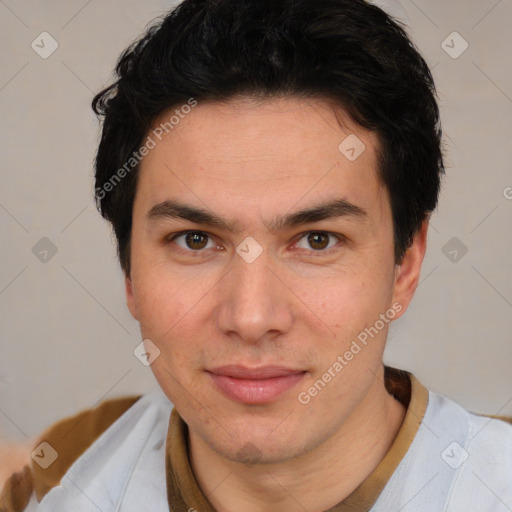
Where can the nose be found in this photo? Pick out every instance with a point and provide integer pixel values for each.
(255, 304)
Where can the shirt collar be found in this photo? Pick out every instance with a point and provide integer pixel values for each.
(184, 493)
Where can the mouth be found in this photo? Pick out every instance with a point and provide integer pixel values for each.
(255, 385)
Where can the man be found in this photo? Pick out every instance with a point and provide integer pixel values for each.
(269, 169)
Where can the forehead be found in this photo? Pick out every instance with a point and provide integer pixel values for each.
(275, 151)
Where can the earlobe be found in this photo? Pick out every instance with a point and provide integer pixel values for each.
(130, 297)
(408, 272)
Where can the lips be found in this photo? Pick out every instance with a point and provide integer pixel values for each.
(254, 385)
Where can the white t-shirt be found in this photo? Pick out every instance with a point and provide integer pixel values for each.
(457, 462)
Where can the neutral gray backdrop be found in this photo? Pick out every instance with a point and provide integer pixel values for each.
(66, 336)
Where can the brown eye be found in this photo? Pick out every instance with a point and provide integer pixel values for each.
(192, 241)
(318, 241)
(195, 240)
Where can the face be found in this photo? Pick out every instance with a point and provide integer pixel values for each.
(261, 258)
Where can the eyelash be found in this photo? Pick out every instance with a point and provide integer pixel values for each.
(319, 252)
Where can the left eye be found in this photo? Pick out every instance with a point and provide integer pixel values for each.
(318, 241)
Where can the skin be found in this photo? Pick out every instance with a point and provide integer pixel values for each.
(297, 305)
(13, 457)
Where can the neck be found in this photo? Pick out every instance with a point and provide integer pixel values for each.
(315, 481)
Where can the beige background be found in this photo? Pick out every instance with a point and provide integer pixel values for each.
(66, 337)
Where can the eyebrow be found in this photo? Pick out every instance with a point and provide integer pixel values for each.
(337, 208)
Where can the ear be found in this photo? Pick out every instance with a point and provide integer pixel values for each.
(407, 274)
(130, 297)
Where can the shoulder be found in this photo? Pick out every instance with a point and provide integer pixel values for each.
(480, 434)
(63, 443)
(478, 455)
(457, 461)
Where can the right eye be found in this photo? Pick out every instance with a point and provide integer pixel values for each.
(192, 241)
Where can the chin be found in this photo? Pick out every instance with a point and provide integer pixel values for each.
(250, 444)
(251, 453)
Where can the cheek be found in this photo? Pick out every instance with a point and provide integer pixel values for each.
(347, 303)
(176, 312)
(168, 316)
(164, 296)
